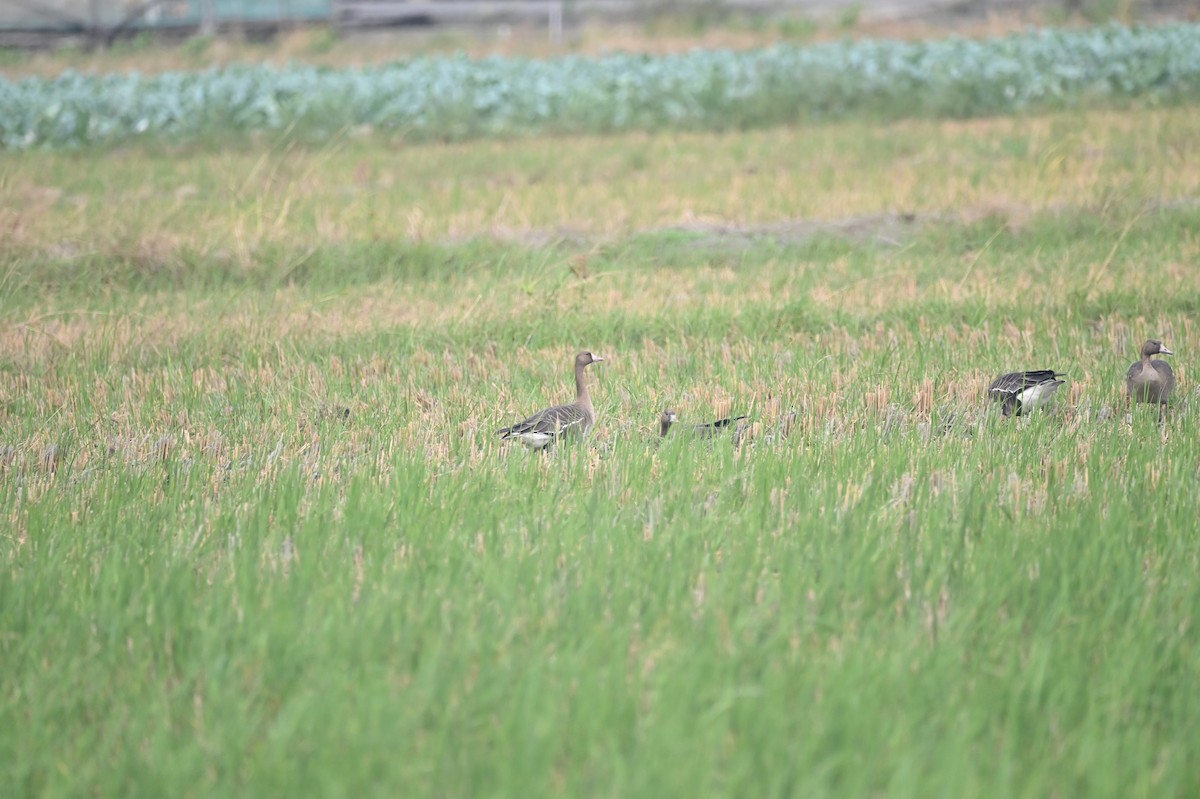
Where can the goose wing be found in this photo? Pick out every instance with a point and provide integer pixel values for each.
(550, 422)
(721, 423)
(1007, 384)
(713, 429)
(1016, 382)
(1165, 373)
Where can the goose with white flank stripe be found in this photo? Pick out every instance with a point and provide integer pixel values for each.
(575, 419)
(1021, 392)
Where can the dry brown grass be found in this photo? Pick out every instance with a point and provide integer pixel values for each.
(112, 379)
(165, 375)
(231, 204)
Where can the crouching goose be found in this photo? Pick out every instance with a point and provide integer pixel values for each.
(1024, 391)
(574, 419)
(1150, 380)
(699, 430)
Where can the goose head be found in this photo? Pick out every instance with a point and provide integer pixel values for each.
(1154, 347)
(665, 421)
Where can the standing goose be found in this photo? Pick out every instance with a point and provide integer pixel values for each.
(1025, 391)
(1150, 380)
(708, 430)
(576, 418)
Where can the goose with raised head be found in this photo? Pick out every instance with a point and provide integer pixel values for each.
(707, 430)
(574, 419)
(1021, 392)
(1149, 379)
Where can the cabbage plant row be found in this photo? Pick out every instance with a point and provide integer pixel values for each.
(456, 97)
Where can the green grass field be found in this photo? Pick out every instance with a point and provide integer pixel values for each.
(259, 537)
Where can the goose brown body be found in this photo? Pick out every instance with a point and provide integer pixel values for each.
(574, 419)
(1150, 380)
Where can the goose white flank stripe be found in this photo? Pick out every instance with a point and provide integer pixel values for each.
(574, 419)
(1021, 392)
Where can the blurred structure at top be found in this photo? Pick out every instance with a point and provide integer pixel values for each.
(104, 21)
